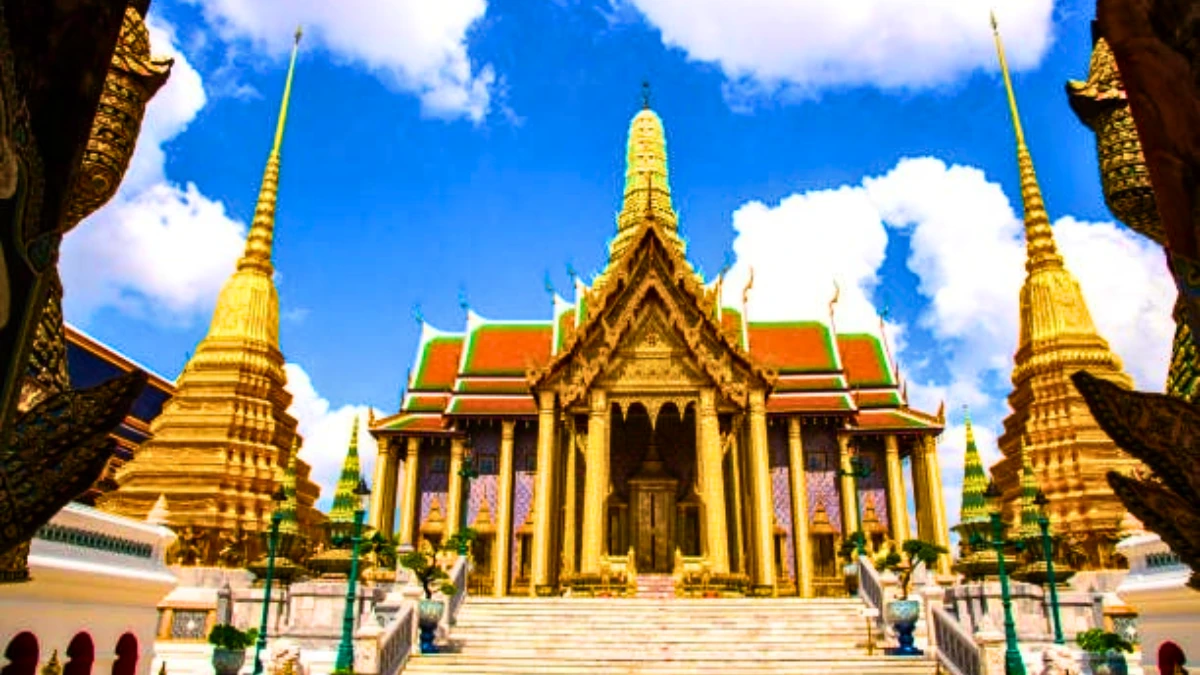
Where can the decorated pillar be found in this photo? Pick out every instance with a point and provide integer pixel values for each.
(569, 501)
(803, 545)
(543, 495)
(713, 484)
(454, 491)
(504, 511)
(383, 506)
(739, 530)
(850, 513)
(937, 516)
(920, 478)
(764, 508)
(378, 497)
(897, 503)
(408, 514)
(595, 484)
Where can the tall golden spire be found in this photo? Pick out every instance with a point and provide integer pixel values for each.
(262, 229)
(647, 197)
(1039, 238)
(1057, 338)
(221, 442)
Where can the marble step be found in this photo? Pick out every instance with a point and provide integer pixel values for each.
(453, 664)
(651, 633)
(770, 652)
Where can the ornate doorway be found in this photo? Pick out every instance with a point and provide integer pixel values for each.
(652, 492)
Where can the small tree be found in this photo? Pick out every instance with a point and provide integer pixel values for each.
(424, 566)
(917, 552)
(461, 540)
(1100, 641)
(229, 638)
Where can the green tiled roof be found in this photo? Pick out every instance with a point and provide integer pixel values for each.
(345, 503)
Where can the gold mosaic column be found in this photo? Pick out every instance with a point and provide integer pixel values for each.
(391, 474)
(764, 508)
(543, 494)
(739, 530)
(454, 491)
(408, 516)
(849, 512)
(897, 503)
(802, 543)
(569, 500)
(920, 491)
(937, 514)
(595, 485)
(504, 511)
(716, 531)
(379, 484)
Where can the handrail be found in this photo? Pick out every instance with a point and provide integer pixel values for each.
(869, 586)
(458, 577)
(956, 649)
(396, 642)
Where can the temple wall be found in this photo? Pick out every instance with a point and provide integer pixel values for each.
(524, 469)
(873, 488)
(434, 481)
(486, 449)
(821, 456)
(781, 489)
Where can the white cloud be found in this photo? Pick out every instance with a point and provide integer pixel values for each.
(801, 47)
(157, 249)
(326, 433)
(966, 246)
(416, 45)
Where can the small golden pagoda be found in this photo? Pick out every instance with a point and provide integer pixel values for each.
(222, 443)
(1067, 450)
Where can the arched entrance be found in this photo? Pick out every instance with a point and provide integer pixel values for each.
(22, 655)
(1171, 658)
(81, 652)
(127, 655)
(653, 460)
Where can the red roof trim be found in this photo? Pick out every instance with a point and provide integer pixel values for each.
(824, 402)
(492, 405)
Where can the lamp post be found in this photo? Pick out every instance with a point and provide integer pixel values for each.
(1044, 523)
(279, 497)
(858, 470)
(467, 472)
(1013, 665)
(345, 653)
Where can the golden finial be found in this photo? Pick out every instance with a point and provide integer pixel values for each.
(967, 418)
(52, 667)
(1041, 251)
(645, 95)
(262, 229)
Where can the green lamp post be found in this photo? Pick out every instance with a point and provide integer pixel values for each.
(1013, 665)
(279, 497)
(858, 470)
(1044, 523)
(467, 472)
(345, 653)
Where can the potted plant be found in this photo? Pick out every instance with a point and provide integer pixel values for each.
(1104, 651)
(229, 647)
(850, 569)
(903, 613)
(431, 576)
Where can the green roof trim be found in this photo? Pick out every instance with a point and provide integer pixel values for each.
(345, 502)
(975, 482)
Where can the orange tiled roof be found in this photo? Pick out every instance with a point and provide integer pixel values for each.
(809, 402)
(491, 385)
(425, 402)
(793, 347)
(787, 383)
(417, 423)
(507, 349)
(879, 420)
(878, 398)
(438, 363)
(864, 360)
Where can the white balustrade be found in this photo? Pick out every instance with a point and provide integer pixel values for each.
(957, 651)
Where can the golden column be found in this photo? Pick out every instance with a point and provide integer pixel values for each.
(739, 529)
(897, 503)
(937, 504)
(595, 485)
(760, 480)
(716, 530)
(379, 496)
(569, 500)
(920, 478)
(454, 490)
(849, 511)
(387, 466)
(800, 538)
(504, 511)
(408, 516)
(543, 494)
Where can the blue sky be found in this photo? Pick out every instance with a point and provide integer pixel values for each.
(473, 145)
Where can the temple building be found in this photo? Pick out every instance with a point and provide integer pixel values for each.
(222, 444)
(645, 425)
(1050, 427)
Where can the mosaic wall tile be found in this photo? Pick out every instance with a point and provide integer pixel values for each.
(781, 490)
(873, 488)
(486, 449)
(821, 459)
(524, 469)
(433, 467)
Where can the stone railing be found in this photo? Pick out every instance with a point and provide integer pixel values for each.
(396, 641)
(869, 586)
(956, 649)
(458, 577)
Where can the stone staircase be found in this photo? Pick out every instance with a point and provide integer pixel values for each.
(658, 586)
(651, 636)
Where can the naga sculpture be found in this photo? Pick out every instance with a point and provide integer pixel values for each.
(54, 441)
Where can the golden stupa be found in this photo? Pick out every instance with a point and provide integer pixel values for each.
(1067, 449)
(221, 445)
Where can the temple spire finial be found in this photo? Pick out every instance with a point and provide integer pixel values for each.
(1041, 251)
(260, 241)
(645, 95)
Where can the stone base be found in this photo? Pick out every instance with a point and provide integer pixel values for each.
(693, 585)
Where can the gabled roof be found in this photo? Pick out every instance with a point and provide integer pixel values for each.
(866, 363)
(505, 348)
(438, 354)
